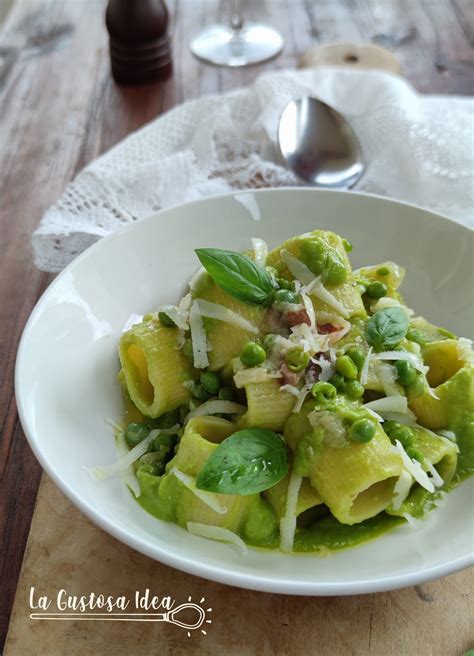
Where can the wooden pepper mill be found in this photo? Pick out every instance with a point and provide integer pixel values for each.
(140, 49)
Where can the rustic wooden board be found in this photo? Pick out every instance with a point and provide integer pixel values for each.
(67, 551)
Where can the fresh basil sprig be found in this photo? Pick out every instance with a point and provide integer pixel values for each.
(387, 328)
(247, 462)
(237, 275)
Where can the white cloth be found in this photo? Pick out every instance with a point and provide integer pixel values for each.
(417, 148)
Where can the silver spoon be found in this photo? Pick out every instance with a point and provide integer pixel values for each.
(319, 145)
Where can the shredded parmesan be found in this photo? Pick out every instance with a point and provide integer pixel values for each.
(288, 521)
(413, 467)
(387, 375)
(117, 468)
(216, 407)
(218, 533)
(301, 398)
(316, 288)
(402, 355)
(296, 267)
(465, 350)
(260, 250)
(435, 477)
(327, 368)
(375, 415)
(132, 320)
(208, 498)
(401, 489)
(450, 435)
(364, 374)
(414, 523)
(308, 305)
(396, 404)
(291, 389)
(222, 313)
(178, 316)
(198, 337)
(254, 375)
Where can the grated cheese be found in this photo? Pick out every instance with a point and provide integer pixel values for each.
(288, 521)
(221, 313)
(254, 375)
(308, 305)
(198, 337)
(179, 316)
(260, 250)
(396, 404)
(196, 278)
(297, 268)
(215, 407)
(435, 477)
(413, 467)
(316, 288)
(303, 393)
(218, 533)
(364, 374)
(208, 498)
(387, 375)
(327, 368)
(291, 389)
(401, 489)
(402, 355)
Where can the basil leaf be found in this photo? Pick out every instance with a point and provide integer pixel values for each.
(247, 462)
(237, 275)
(387, 328)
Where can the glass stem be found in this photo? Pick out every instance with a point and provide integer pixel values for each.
(236, 18)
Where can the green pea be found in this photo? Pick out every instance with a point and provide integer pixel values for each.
(415, 335)
(335, 270)
(414, 454)
(416, 388)
(200, 392)
(135, 433)
(284, 284)
(323, 391)
(211, 383)
(347, 245)
(297, 359)
(346, 367)
(284, 296)
(354, 389)
(406, 372)
(377, 289)
(390, 426)
(165, 320)
(187, 350)
(338, 381)
(357, 355)
(226, 394)
(404, 434)
(163, 443)
(383, 271)
(362, 430)
(252, 354)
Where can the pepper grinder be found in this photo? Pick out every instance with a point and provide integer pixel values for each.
(140, 50)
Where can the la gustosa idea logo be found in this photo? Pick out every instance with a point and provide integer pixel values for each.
(141, 607)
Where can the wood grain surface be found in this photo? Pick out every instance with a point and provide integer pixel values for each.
(60, 109)
(66, 551)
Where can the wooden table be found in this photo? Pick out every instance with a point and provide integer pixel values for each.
(60, 109)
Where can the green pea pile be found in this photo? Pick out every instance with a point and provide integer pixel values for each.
(405, 435)
(348, 367)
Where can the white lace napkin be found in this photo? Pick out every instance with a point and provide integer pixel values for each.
(418, 148)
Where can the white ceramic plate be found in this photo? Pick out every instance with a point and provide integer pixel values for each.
(67, 363)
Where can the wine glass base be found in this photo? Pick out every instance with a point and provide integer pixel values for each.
(222, 46)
